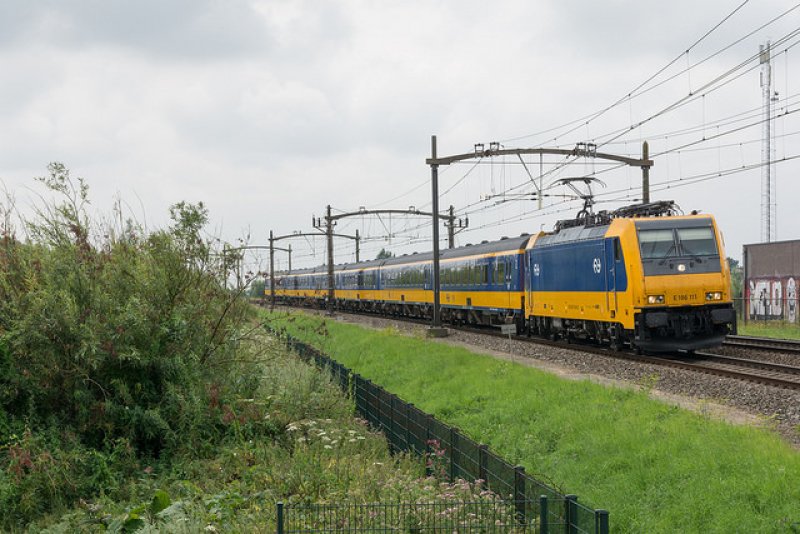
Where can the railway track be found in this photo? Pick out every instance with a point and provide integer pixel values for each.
(763, 343)
(772, 374)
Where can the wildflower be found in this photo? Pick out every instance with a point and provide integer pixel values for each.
(328, 447)
(361, 437)
(351, 440)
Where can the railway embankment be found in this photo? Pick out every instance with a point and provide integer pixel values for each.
(654, 465)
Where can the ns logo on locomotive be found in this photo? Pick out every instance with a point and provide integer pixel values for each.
(642, 276)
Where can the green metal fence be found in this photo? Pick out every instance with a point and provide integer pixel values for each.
(445, 516)
(537, 506)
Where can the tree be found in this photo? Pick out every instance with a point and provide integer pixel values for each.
(384, 255)
(737, 278)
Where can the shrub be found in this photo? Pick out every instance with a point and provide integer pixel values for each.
(112, 338)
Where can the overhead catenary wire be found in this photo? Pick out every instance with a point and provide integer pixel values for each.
(696, 145)
(586, 119)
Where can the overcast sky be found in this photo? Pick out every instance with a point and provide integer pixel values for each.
(269, 111)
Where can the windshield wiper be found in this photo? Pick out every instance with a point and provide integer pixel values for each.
(666, 254)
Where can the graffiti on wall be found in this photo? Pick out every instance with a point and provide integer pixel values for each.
(773, 298)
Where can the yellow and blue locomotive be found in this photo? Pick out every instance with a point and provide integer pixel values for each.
(640, 276)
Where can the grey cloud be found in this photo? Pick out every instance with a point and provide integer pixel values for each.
(202, 29)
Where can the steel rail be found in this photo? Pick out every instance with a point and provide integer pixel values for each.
(763, 343)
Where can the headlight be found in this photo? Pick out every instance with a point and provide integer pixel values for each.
(655, 299)
(714, 295)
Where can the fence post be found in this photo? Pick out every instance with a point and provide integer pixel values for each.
(570, 513)
(409, 446)
(482, 468)
(544, 521)
(280, 517)
(369, 395)
(392, 433)
(519, 493)
(601, 521)
(453, 433)
(428, 468)
(356, 398)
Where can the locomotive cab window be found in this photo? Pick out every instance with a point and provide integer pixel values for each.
(697, 241)
(657, 244)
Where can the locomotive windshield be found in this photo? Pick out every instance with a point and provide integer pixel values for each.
(678, 246)
(677, 242)
(657, 244)
(697, 241)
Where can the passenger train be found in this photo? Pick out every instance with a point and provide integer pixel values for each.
(641, 276)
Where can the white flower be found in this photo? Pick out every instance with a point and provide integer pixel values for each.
(328, 447)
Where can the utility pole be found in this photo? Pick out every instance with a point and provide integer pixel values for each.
(451, 223)
(329, 233)
(272, 271)
(768, 186)
(450, 230)
(645, 174)
(436, 328)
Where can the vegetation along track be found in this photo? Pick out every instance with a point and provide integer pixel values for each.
(777, 375)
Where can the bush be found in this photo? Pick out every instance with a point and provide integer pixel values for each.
(115, 343)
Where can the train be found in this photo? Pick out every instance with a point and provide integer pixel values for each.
(643, 276)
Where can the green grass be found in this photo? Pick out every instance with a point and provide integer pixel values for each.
(657, 468)
(777, 330)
